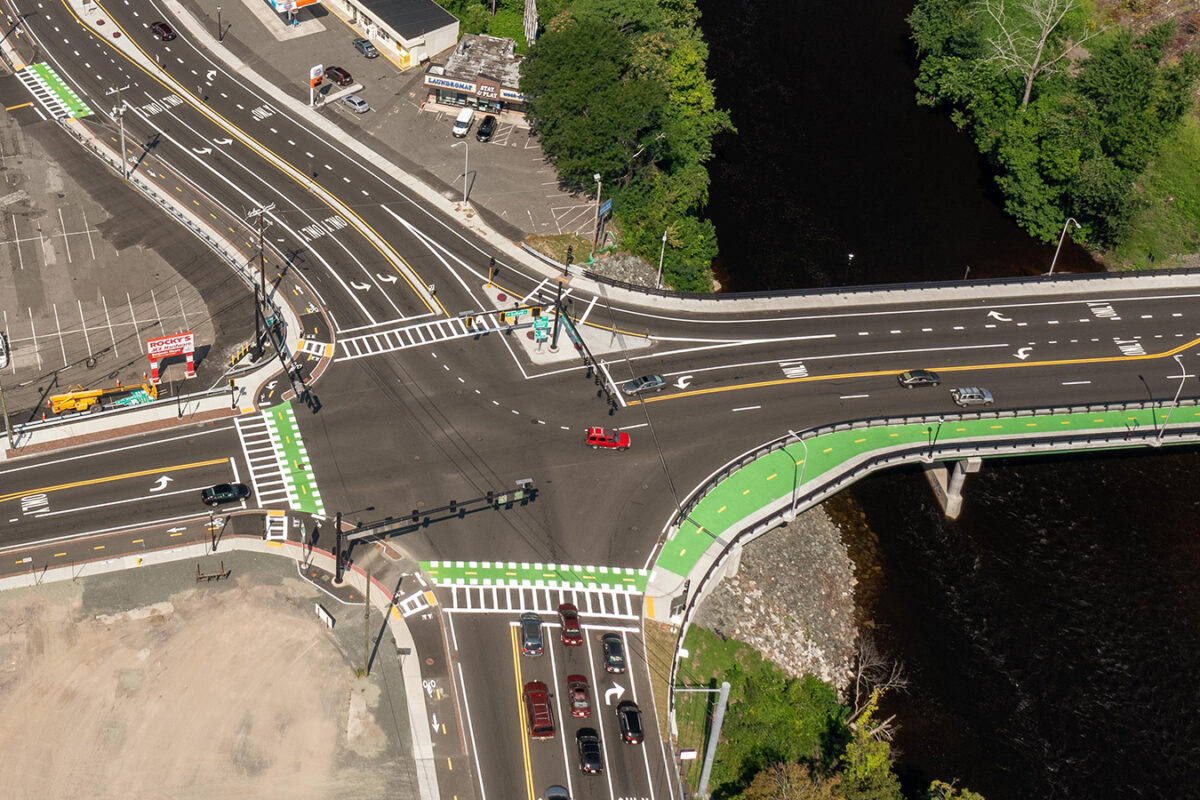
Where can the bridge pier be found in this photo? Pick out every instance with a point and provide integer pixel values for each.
(947, 483)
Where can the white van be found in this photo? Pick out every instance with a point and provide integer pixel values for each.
(462, 124)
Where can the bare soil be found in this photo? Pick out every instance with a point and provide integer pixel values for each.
(230, 692)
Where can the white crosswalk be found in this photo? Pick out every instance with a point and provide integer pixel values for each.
(265, 474)
(48, 99)
(277, 526)
(438, 330)
(542, 600)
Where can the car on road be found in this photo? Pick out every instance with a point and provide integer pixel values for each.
(537, 710)
(486, 129)
(614, 653)
(557, 793)
(579, 696)
(162, 30)
(644, 384)
(365, 47)
(224, 493)
(629, 718)
(531, 634)
(971, 396)
(356, 104)
(608, 438)
(568, 617)
(339, 76)
(588, 742)
(918, 377)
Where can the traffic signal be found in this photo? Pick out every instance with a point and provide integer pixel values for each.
(536, 311)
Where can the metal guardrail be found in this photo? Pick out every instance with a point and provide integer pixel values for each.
(1064, 277)
(69, 417)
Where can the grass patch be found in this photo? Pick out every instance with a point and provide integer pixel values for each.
(1169, 226)
(556, 246)
(660, 649)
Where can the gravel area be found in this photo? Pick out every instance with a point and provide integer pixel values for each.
(792, 599)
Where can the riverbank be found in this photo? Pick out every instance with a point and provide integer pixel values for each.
(792, 599)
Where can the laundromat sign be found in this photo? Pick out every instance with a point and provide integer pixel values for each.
(449, 84)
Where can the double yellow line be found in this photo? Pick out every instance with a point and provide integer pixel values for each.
(964, 368)
(516, 654)
(110, 478)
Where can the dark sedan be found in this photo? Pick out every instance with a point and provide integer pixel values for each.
(224, 493)
(163, 31)
(590, 760)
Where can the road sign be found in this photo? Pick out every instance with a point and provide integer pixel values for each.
(605, 207)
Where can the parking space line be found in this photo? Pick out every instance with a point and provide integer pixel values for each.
(66, 243)
(87, 339)
(33, 331)
(88, 231)
(58, 325)
(111, 333)
(135, 324)
(157, 316)
(181, 311)
(17, 241)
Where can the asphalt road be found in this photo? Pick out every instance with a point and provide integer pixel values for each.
(452, 420)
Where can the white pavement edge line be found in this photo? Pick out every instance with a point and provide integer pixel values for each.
(410, 668)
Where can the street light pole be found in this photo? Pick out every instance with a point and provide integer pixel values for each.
(119, 113)
(661, 253)
(466, 166)
(220, 32)
(596, 221)
(791, 515)
(1183, 376)
(1061, 236)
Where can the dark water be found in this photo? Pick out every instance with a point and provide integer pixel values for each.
(1052, 633)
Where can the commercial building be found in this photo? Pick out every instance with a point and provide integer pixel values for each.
(408, 31)
(483, 72)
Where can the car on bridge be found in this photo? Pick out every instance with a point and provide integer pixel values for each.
(608, 438)
(971, 396)
(918, 377)
(224, 493)
(644, 385)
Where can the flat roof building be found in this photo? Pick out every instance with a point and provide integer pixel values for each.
(483, 72)
(410, 31)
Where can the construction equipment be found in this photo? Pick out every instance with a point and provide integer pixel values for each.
(76, 398)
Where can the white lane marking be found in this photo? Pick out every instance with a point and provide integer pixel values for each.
(121, 502)
(107, 451)
(626, 427)
(1075, 383)
(853, 396)
(462, 684)
(749, 408)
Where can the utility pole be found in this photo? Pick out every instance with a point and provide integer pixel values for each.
(260, 300)
(119, 113)
(367, 628)
(340, 568)
(558, 301)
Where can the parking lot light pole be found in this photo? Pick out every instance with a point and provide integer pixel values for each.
(466, 166)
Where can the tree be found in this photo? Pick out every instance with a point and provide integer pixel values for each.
(874, 673)
(1033, 41)
(867, 768)
(792, 782)
(940, 790)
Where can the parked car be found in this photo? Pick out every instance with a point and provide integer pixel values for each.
(531, 634)
(644, 384)
(971, 396)
(579, 696)
(462, 123)
(568, 615)
(365, 47)
(608, 438)
(486, 130)
(225, 493)
(588, 742)
(356, 104)
(918, 377)
(162, 30)
(629, 718)
(339, 76)
(537, 710)
(614, 653)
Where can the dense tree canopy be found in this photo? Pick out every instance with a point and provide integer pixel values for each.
(1069, 114)
(619, 88)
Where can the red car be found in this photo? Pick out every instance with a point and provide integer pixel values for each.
(568, 615)
(579, 696)
(609, 438)
(339, 76)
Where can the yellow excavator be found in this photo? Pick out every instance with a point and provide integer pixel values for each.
(76, 398)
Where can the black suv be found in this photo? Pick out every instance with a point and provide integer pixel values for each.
(486, 129)
(614, 653)
(224, 493)
(629, 716)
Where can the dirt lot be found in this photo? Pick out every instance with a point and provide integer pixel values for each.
(144, 684)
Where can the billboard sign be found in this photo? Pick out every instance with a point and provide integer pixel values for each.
(167, 346)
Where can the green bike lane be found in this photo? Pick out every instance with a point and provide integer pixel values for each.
(298, 476)
(535, 575)
(775, 476)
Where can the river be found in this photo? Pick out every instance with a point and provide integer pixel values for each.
(1052, 633)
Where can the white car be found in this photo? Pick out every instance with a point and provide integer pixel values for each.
(971, 396)
(356, 104)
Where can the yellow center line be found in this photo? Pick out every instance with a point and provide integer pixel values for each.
(111, 478)
(524, 732)
(962, 368)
